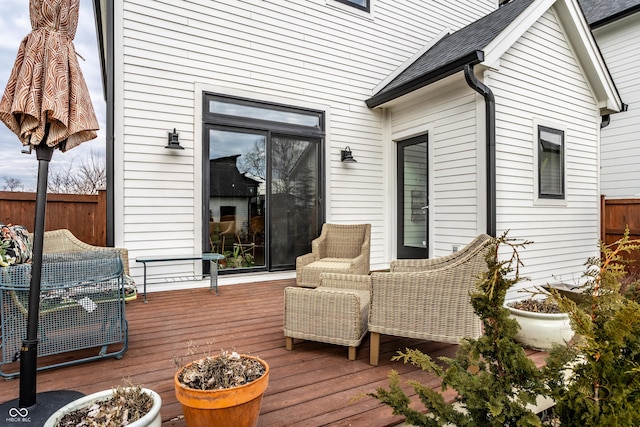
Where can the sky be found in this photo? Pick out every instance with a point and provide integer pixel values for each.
(15, 24)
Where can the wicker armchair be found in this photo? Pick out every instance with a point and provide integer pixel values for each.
(428, 299)
(63, 241)
(340, 248)
(335, 312)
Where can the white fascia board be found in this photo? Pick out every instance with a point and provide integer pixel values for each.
(589, 56)
(410, 61)
(507, 38)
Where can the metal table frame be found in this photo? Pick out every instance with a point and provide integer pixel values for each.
(213, 258)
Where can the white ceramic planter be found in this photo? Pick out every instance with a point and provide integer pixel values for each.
(539, 331)
(152, 419)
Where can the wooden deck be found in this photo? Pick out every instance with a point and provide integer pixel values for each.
(313, 385)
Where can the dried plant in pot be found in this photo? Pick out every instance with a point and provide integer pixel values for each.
(222, 390)
(131, 406)
(542, 323)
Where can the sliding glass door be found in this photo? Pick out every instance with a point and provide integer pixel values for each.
(263, 182)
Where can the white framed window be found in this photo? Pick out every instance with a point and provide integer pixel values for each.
(550, 161)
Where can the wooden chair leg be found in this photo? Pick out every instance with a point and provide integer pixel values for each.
(289, 343)
(352, 353)
(374, 348)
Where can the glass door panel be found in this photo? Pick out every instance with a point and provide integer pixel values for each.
(294, 194)
(413, 202)
(237, 190)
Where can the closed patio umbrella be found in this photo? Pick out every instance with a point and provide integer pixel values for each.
(46, 104)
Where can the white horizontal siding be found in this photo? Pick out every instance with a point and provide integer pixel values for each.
(540, 82)
(620, 144)
(306, 53)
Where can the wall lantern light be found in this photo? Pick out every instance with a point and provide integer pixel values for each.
(346, 156)
(174, 142)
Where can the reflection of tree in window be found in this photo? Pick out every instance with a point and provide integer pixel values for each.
(253, 161)
(287, 168)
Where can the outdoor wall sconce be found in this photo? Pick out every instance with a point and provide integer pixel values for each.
(346, 156)
(174, 142)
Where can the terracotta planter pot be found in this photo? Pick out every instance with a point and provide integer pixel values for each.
(539, 331)
(152, 419)
(237, 406)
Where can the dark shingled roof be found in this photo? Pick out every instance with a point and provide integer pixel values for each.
(601, 12)
(450, 54)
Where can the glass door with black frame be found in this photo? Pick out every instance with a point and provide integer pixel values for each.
(413, 198)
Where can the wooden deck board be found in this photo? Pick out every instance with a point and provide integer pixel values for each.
(313, 385)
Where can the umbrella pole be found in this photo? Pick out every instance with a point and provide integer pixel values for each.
(29, 350)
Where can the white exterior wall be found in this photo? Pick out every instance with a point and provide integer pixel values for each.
(319, 54)
(540, 83)
(620, 144)
(536, 82)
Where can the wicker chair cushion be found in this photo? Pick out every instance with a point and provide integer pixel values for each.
(345, 243)
(310, 275)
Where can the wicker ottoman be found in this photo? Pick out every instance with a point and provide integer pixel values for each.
(336, 312)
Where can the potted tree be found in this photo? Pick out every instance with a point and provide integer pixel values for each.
(222, 390)
(123, 406)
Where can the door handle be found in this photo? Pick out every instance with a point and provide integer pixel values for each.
(424, 208)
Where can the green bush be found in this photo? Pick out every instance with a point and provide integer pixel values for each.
(603, 386)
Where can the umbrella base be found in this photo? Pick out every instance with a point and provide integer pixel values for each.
(46, 404)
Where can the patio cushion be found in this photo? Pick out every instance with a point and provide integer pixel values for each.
(310, 276)
(16, 243)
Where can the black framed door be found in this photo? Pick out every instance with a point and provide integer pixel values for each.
(413, 198)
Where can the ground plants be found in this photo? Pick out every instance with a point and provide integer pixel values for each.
(603, 387)
(496, 383)
(238, 258)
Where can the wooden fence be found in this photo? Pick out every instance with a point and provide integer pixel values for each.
(616, 216)
(84, 215)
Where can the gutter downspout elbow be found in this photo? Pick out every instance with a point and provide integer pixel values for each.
(490, 126)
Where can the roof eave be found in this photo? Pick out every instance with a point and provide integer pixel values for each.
(453, 67)
(615, 17)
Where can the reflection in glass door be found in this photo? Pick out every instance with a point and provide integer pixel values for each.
(413, 199)
(293, 198)
(237, 189)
